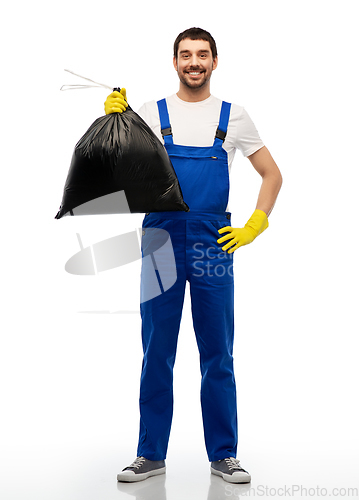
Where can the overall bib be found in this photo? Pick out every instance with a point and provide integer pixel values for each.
(204, 180)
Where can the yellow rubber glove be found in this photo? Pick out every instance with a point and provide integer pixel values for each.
(244, 235)
(116, 102)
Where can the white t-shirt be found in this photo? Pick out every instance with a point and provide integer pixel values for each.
(195, 124)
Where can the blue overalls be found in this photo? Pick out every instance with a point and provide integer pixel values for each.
(204, 180)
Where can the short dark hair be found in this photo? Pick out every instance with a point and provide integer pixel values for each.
(195, 34)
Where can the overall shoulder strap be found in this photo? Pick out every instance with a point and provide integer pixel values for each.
(223, 121)
(166, 129)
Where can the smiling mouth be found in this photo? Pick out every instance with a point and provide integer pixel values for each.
(194, 73)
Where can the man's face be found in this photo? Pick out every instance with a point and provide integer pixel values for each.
(194, 63)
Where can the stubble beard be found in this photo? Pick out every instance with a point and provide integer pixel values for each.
(193, 84)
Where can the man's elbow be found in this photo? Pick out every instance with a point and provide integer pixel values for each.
(274, 174)
(279, 179)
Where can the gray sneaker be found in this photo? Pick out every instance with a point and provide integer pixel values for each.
(230, 470)
(141, 469)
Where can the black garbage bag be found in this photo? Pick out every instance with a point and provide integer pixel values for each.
(120, 153)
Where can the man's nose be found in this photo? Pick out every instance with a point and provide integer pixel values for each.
(195, 61)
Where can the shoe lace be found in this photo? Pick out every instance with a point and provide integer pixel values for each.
(137, 462)
(233, 463)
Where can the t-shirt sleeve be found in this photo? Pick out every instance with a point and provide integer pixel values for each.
(149, 113)
(143, 112)
(243, 134)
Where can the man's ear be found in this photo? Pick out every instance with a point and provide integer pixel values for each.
(175, 62)
(215, 62)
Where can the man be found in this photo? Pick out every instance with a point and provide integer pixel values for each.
(201, 134)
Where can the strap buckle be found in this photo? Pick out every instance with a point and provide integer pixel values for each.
(220, 134)
(166, 131)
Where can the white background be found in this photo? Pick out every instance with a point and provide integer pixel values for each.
(70, 380)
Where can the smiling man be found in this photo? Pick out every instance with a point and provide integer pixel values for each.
(194, 64)
(201, 134)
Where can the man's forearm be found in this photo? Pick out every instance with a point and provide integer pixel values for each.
(268, 193)
(267, 168)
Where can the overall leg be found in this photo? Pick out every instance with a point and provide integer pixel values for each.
(212, 297)
(161, 318)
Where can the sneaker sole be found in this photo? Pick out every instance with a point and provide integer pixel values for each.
(241, 477)
(132, 478)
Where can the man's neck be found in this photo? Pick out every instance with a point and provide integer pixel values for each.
(193, 95)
